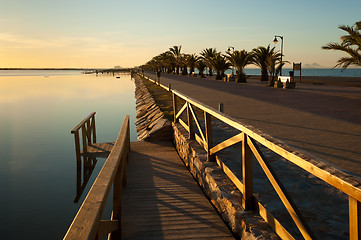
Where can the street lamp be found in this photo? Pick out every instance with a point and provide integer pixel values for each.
(276, 41)
(229, 50)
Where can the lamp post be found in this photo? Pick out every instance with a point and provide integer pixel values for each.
(276, 41)
(229, 50)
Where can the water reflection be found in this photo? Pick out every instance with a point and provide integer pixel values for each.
(38, 167)
(82, 179)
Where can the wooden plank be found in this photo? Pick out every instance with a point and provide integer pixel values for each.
(273, 222)
(88, 131)
(183, 124)
(355, 218)
(230, 174)
(86, 223)
(200, 141)
(190, 122)
(162, 200)
(82, 122)
(77, 146)
(247, 175)
(99, 148)
(174, 97)
(94, 131)
(181, 110)
(281, 192)
(227, 143)
(107, 226)
(84, 139)
(197, 122)
(209, 137)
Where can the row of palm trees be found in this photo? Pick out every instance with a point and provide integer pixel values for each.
(266, 58)
(174, 61)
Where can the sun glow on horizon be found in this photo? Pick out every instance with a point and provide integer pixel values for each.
(85, 34)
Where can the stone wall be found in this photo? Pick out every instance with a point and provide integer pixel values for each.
(220, 190)
(150, 124)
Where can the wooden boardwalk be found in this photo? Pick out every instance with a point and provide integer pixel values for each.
(163, 201)
(99, 149)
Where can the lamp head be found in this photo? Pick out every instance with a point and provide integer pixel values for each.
(275, 40)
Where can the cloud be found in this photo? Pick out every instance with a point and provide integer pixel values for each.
(85, 43)
(103, 49)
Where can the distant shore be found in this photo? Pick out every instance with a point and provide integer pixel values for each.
(45, 68)
(319, 80)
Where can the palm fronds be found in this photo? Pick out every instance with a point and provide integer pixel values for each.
(350, 44)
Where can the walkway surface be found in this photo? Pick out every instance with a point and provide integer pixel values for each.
(163, 201)
(322, 120)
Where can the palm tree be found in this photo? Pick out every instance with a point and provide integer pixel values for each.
(220, 64)
(167, 61)
(183, 63)
(272, 61)
(207, 54)
(192, 59)
(201, 65)
(259, 58)
(240, 59)
(350, 44)
(176, 51)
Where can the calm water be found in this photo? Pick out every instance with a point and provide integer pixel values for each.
(38, 171)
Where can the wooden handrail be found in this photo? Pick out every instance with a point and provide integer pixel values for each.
(338, 179)
(81, 124)
(331, 175)
(87, 224)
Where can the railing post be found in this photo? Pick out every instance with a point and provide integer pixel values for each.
(209, 138)
(77, 147)
(88, 131)
(355, 218)
(247, 175)
(78, 161)
(174, 107)
(84, 138)
(190, 122)
(220, 107)
(94, 132)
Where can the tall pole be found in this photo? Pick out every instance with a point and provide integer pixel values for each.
(281, 55)
(275, 41)
(229, 50)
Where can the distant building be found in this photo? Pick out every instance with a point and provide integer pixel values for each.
(117, 67)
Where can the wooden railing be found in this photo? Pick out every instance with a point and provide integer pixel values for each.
(87, 224)
(249, 136)
(88, 133)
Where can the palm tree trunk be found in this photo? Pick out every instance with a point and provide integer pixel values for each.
(264, 74)
(185, 70)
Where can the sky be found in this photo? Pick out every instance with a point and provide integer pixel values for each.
(108, 33)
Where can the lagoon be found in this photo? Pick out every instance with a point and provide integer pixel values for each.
(38, 167)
